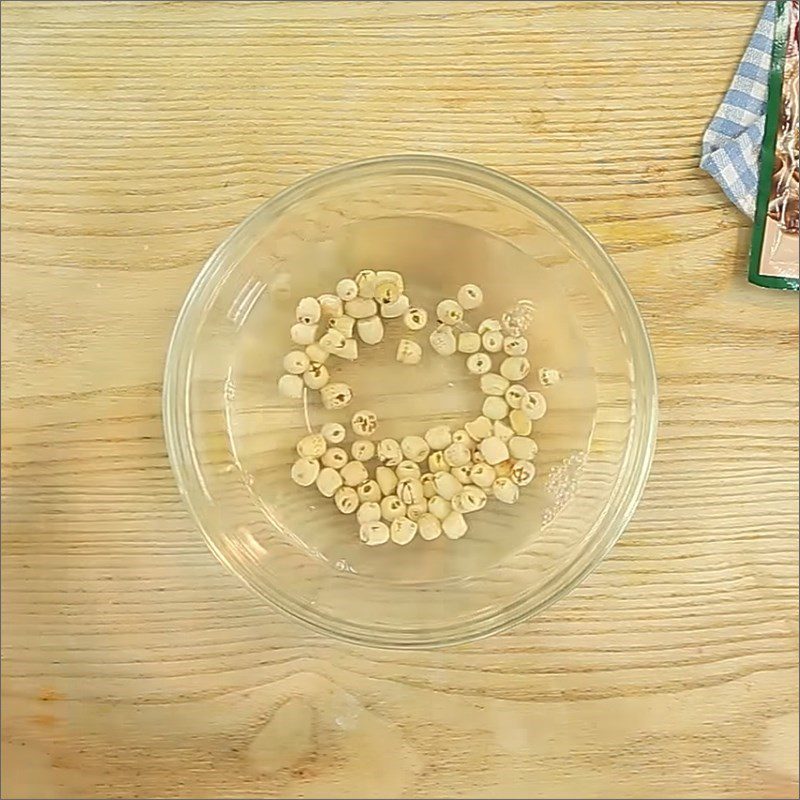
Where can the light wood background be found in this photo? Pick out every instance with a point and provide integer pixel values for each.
(134, 137)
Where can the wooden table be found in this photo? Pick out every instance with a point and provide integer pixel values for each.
(134, 137)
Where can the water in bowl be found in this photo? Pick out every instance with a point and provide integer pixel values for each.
(436, 256)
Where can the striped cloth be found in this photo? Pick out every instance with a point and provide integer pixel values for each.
(732, 141)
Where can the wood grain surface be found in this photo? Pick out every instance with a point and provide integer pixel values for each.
(134, 137)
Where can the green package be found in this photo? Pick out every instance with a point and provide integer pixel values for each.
(775, 247)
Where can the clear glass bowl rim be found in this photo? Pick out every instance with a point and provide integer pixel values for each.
(633, 474)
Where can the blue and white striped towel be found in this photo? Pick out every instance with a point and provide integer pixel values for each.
(732, 141)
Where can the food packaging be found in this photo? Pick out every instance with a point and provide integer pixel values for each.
(775, 248)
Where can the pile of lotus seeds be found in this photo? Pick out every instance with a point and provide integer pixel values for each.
(427, 484)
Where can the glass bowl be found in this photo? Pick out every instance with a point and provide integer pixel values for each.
(441, 223)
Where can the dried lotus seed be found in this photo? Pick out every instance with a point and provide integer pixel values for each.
(369, 492)
(462, 437)
(462, 473)
(347, 289)
(362, 449)
(494, 450)
(343, 325)
(469, 296)
(502, 431)
(346, 499)
(416, 510)
(387, 479)
(375, 532)
(515, 394)
(428, 527)
(312, 446)
(495, 408)
(443, 340)
(389, 452)
(415, 448)
(387, 293)
(364, 423)
(328, 481)
(333, 432)
(296, 362)
(349, 351)
(457, 454)
(489, 324)
(316, 355)
(303, 334)
(316, 376)
(392, 507)
(520, 423)
(336, 395)
(469, 342)
(415, 319)
(390, 276)
(396, 309)
(454, 525)
(479, 364)
(353, 473)
(365, 280)
(408, 469)
(308, 310)
(523, 472)
(409, 490)
(332, 340)
(428, 488)
(479, 428)
(447, 486)
(437, 462)
(548, 376)
(449, 312)
(469, 499)
(494, 384)
(408, 352)
(505, 490)
(305, 471)
(438, 437)
(331, 305)
(515, 368)
(361, 308)
(534, 405)
(368, 512)
(402, 530)
(334, 457)
(492, 341)
(483, 475)
(370, 330)
(523, 448)
(439, 507)
(515, 346)
(290, 386)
